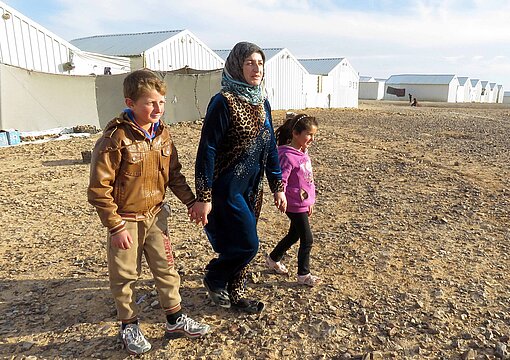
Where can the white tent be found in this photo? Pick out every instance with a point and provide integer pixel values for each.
(423, 87)
(331, 83)
(28, 45)
(50, 101)
(159, 50)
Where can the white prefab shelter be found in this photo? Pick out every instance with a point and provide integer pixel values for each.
(506, 97)
(476, 90)
(493, 92)
(423, 87)
(331, 83)
(501, 94)
(464, 89)
(371, 88)
(485, 93)
(283, 78)
(28, 45)
(160, 50)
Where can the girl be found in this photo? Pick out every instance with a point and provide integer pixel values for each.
(294, 137)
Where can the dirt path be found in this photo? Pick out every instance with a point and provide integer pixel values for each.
(411, 239)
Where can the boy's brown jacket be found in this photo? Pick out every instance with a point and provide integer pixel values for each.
(129, 173)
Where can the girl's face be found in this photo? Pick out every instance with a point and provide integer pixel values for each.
(253, 69)
(302, 140)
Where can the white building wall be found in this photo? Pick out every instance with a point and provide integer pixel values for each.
(452, 90)
(314, 91)
(341, 85)
(284, 82)
(500, 94)
(493, 94)
(464, 92)
(422, 92)
(371, 90)
(475, 92)
(506, 97)
(484, 95)
(460, 93)
(180, 51)
(26, 44)
(467, 91)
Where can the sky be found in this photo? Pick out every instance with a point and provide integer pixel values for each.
(378, 37)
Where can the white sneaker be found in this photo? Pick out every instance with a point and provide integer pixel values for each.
(276, 266)
(308, 279)
(185, 326)
(133, 340)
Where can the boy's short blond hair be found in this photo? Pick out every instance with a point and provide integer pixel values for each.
(140, 82)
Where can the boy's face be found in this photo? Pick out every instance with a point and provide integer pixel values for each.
(148, 109)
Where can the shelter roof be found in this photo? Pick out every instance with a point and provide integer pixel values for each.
(320, 66)
(420, 79)
(366, 79)
(269, 52)
(123, 44)
(463, 80)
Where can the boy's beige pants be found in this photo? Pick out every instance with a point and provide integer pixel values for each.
(150, 238)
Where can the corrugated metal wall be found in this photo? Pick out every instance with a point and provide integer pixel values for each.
(181, 51)
(284, 82)
(343, 82)
(25, 44)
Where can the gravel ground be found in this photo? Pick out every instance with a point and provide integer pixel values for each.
(411, 240)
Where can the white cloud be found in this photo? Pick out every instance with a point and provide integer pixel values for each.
(428, 35)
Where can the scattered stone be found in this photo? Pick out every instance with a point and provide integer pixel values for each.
(469, 355)
(417, 254)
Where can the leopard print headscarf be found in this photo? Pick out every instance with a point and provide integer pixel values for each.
(233, 79)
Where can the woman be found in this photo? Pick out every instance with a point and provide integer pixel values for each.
(237, 145)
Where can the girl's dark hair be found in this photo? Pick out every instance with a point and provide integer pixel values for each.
(296, 122)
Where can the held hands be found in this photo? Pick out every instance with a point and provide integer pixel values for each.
(280, 201)
(199, 211)
(122, 240)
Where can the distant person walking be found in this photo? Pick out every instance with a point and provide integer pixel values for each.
(414, 102)
(294, 138)
(410, 98)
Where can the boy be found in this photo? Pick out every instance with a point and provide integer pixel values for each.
(132, 164)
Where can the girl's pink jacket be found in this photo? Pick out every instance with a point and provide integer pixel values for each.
(297, 178)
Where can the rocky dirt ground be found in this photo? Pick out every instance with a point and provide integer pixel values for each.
(411, 240)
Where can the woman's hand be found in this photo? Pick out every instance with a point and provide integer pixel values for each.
(199, 211)
(280, 201)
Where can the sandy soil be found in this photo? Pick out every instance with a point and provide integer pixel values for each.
(411, 239)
